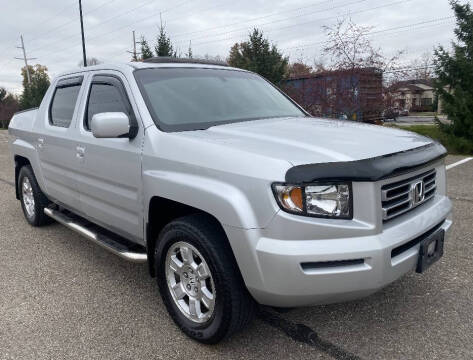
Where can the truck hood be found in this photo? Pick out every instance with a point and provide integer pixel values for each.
(311, 140)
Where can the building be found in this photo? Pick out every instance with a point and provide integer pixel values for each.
(355, 94)
(414, 95)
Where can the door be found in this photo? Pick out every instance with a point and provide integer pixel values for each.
(110, 182)
(56, 143)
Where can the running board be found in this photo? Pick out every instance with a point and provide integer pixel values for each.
(95, 236)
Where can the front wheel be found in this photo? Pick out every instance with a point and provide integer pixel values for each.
(199, 280)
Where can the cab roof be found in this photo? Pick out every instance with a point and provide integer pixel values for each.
(161, 63)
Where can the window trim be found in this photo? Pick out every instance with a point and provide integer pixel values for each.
(115, 81)
(61, 84)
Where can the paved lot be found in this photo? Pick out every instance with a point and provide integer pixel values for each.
(412, 119)
(61, 297)
(417, 120)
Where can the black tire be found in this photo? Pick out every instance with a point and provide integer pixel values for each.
(234, 307)
(39, 218)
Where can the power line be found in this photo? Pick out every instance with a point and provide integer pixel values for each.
(71, 21)
(288, 18)
(425, 23)
(112, 18)
(336, 7)
(307, 22)
(379, 31)
(409, 26)
(228, 32)
(206, 9)
(143, 19)
(160, 12)
(121, 14)
(415, 52)
(50, 18)
(258, 18)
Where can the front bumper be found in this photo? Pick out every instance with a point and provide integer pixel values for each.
(272, 267)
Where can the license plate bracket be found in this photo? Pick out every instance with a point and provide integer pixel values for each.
(431, 249)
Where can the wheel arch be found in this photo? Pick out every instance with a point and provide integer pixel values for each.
(20, 161)
(161, 212)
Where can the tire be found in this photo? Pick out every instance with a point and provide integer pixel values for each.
(233, 307)
(33, 211)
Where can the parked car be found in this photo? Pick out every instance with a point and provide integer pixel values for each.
(404, 112)
(231, 193)
(390, 114)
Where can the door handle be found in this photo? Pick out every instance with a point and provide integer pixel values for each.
(40, 143)
(80, 151)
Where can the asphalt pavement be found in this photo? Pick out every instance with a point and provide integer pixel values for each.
(61, 297)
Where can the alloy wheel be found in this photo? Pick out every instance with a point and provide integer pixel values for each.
(190, 282)
(28, 197)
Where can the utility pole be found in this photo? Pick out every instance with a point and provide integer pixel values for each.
(135, 54)
(134, 46)
(82, 32)
(25, 59)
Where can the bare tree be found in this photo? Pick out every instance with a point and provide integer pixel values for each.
(352, 85)
(90, 62)
(319, 64)
(348, 46)
(8, 106)
(420, 69)
(297, 69)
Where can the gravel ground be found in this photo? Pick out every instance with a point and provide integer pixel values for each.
(61, 297)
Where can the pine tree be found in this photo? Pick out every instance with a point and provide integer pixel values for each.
(34, 92)
(189, 51)
(258, 55)
(163, 45)
(145, 49)
(454, 71)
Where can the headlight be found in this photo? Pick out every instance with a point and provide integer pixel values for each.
(325, 199)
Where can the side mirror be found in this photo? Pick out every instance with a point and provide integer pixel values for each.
(110, 125)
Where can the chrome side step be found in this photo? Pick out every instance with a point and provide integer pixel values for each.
(102, 240)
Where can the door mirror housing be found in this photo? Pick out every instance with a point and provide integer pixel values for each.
(110, 125)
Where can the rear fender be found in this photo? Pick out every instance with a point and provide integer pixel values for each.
(22, 148)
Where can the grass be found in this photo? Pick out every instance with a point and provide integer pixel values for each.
(453, 144)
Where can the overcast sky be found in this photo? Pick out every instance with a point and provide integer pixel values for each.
(51, 28)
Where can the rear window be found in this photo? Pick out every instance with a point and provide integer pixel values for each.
(63, 105)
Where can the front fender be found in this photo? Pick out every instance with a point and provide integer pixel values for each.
(227, 203)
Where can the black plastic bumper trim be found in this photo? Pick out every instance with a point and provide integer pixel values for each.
(330, 264)
(410, 244)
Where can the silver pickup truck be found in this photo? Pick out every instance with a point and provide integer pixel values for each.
(230, 192)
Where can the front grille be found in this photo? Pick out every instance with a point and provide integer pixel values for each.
(402, 196)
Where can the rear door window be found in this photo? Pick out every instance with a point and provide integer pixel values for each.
(64, 102)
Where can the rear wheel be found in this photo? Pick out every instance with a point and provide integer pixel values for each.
(199, 279)
(33, 201)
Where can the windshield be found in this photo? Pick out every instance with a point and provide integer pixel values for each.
(197, 98)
